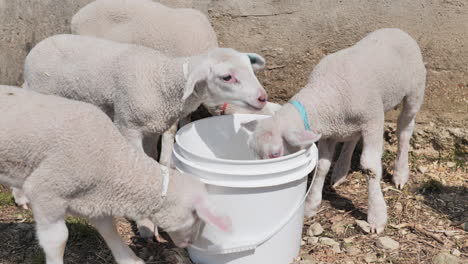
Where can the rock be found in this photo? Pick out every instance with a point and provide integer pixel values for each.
(464, 226)
(422, 169)
(451, 164)
(445, 258)
(328, 241)
(363, 225)
(387, 243)
(315, 229)
(398, 207)
(302, 243)
(348, 261)
(336, 248)
(456, 252)
(312, 240)
(370, 258)
(338, 228)
(353, 250)
(450, 233)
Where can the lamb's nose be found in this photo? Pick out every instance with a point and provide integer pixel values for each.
(262, 98)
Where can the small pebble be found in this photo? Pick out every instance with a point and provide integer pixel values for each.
(328, 241)
(398, 207)
(338, 228)
(363, 225)
(445, 258)
(315, 229)
(451, 164)
(464, 226)
(370, 258)
(422, 169)
(312, 240)
(353, 250)
(456, 252)
(387, 243)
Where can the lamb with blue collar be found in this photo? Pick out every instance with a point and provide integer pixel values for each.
(345, 99)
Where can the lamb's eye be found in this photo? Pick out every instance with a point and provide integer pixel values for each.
(227, 78)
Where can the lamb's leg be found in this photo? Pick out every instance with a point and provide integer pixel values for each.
(404, 132)
(343, 163)
(326, 149)
(167, 144)
(20, 198)
(122, 253)
(135, 137)
(51, 232)
(372, 166)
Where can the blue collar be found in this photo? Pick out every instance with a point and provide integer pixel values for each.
(300, 108)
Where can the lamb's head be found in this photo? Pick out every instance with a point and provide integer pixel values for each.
(227, 76)
(273, 137)
(186, 208)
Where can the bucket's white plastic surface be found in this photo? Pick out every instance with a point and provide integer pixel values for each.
(263, 198)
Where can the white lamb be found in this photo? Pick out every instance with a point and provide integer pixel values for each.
(142, 90)
(173, 31)
(346, 98)
(68, 157)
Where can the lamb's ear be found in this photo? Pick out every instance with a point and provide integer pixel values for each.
(250, 126)
(207, 213)
(300, 138)
(257, 61)
(195, 77)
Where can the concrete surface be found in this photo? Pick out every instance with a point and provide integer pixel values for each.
(293, 35)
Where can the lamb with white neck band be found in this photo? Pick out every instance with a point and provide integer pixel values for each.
(345, 99)
(68, 157)
(141, 89)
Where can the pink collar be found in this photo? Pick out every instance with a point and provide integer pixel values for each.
(223, 108)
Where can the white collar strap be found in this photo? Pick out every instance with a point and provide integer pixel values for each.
(166, 175)
(185, 67)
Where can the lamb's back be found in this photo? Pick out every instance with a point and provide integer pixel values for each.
(77, 67)
(174, 31)
(43, 130)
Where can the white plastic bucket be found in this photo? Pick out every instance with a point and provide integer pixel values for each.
(263, 198)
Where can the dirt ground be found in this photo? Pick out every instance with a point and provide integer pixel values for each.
(428, 218)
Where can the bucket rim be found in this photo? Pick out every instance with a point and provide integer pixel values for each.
(230, 161)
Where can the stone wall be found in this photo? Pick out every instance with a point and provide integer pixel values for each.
(293, 35)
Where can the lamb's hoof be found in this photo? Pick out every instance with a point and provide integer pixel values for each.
(399, 182)
(138, 261)
(377, 230)
(311, 210)
(160, 239)
(338, 182)
(25, 206)
(377, 226)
